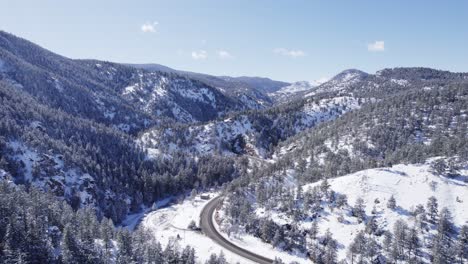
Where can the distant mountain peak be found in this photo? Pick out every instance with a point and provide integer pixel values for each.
(349, 74)
(296, 87)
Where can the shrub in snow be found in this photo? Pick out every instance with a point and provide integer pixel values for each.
(192, 225)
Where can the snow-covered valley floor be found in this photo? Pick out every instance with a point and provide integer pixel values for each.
(169, 225)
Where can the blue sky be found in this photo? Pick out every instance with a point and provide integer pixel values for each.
(284, 40)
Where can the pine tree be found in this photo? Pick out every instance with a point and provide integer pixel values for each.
(213, 259)
(331, 252)
(372, 250)
(154, 253)
(359, 209)
(413, 244)
(278, 239)
(462, 245)
(277, 261)
(299, 193)
(324, 187)
(387, 242)
(391, 203)
(186, 256)
(106, 233)
(357, 248)
(315, 252)
(193, 194)
(371, 225)
(14, 237)
(400, 232)
(314, 230)
(432, 208)
(442, 248)
(124, 241)
(171, 255)
(266, 230)
(341, 200)
(221, 258)
(71, 252)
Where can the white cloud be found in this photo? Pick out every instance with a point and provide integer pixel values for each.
(149, 27)
(290, 53)
(199, 55)
(376, 46)
(224, 55)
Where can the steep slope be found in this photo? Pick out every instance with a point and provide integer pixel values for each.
(341, 81)
(293, 91)
(252, 91)
(64, 84)
(408, 127)
(253, 133)
(265, 85)
(110, 93)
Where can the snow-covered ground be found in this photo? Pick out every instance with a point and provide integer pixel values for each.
(294, 88)
(170, 223)
(256, 245)
(409, 184)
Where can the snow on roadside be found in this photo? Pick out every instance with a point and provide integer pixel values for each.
(257, 246)
(169, 222)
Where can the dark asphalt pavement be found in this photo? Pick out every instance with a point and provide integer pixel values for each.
(208, 228)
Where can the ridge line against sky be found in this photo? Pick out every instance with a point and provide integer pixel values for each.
(282, 40)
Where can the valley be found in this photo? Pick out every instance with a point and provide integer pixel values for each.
(108, 162)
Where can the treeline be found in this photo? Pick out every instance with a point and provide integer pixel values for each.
(35, 227)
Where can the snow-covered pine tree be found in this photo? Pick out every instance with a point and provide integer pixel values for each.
(432, 208)
(391, 203)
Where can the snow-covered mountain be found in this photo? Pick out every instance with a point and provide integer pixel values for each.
(92, 140)
(252, 91)
(249, 134)
(296, 90)
(296, 87)
(340, 82)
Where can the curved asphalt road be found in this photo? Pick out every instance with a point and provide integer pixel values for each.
(208, 228)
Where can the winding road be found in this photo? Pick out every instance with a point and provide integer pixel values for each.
(208, 228)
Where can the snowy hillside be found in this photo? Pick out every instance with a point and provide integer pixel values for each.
(369, 204)
(340, 82)
(242, 134)
(294, 88)
(48, 172)
(177, 97)
(410, 185)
